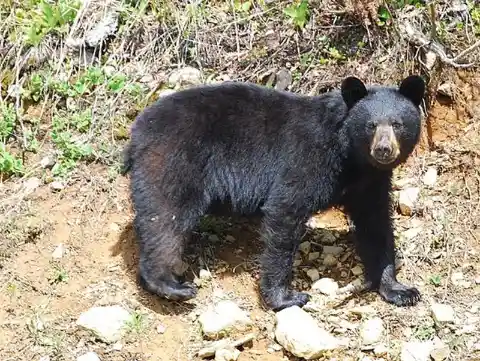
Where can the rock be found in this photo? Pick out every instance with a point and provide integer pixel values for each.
(205, 275)
(56, 186)
(357, 270)
(31, 184)
(430, 177)
(283, 79)
(59, 251)
(333, 250)
(329, 260)
(380, 350)
(430, 59)
(223, 317)
(363, 310)
(161, 328)
(407, 200)
(446, 89)
(89, 356)
(47, 162)
(371, 331)
(442, 313)
(313, 256)
(411, 233)
(313, 274)
(102, 30)
(305, 247)
(326, 285)
(227, 354)
(106, 322)
(299, 334)
(210, 350)
(440, 353)
(44, 358)
(416, 351)
(185, 76)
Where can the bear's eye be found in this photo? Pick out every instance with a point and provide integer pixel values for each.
(396, 124)
(371, 125)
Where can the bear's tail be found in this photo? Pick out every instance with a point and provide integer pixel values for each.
(127, 159)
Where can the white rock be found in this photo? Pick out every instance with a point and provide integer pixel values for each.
(408, 199)
(185, 76)
(59, 251)
(333, 250)
(222, 317)
(329, 260)
(47, 162)
(227, 354)
(430, 177)
(416, 351)
(442, 313)
(299, 334)
(106, 322)
(44, 358)
(312, 256)
(357, 270)
(31, 184)
(440, 352)
(313, 274)
(411, 233)
(205, 275)
(56, 186)
(305, 247)
(89, 356)
(380, 350)
(371, 331)
(326, 285)
(102, 30)
(430, 59)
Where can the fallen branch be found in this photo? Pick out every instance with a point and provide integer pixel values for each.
(417, 38)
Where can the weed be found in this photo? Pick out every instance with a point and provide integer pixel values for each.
(137, 323)
(299, 14)
(436, 280)
(8, 117)
(424, 332)
(59, 275)
(9, 163)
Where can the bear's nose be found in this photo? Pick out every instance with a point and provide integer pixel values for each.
(383, 151)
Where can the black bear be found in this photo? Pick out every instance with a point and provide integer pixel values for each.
(284, 154)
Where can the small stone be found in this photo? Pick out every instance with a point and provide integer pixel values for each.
(44, 358)
(117, 346)
(106, 322)
(416, 351)
(230, 238)
(403, 182)
(283, 79)
(407, 200)
(446, 89)
(59, 251)
(56, 186)
(440, 353)
(411, 233)
(371, 331)
(430, 59)
(430, 177)
(442, 313)
(326, 285)
(223, 317)
(477, 280)
(102, 30)
(205, 275)
(89, 356)
(185, 76)
(333, 250)
(357, 270)
(313, 256)
(31, 184)
(313, 274)
(297, 262)
(227, 354)
(300, 335)
(380, 350)
(363, 310)
(329, 260)
(328, 238)
(305, 247)
(47, 162)
(161, 329)
(456, 278)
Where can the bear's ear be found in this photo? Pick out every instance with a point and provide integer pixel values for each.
(413, 88)
(353, 90)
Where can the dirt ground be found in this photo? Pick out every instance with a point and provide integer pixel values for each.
(41, 297)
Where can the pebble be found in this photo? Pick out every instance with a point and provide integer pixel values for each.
(357, 270)
(333, 250)
(227, 354)
(59, 251)
(185, 76)
(430, 176)
(380, 350)
(283, 79)
(416, 351)
(329, 260)
(161, 328)
(305, 247)
(102, 30)
(371, 331)
(31, 184)
(223, 317)
(56, 186)
(440, 353)
(442, 313)
(47, 162)
(89, 356)
(313, 274)
(106, 322)
(300, 335)
(326, 285)
(205, 275)
(408, 199)
(313, 256)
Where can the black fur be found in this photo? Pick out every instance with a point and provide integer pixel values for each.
(284, 154)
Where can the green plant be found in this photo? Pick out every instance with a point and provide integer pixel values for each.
(299, 14)
(8, 117)
(116, 83)
(436, 280)
(71, 151)
(384, 16)
(9, 164)
(59, 275)
(136, 323)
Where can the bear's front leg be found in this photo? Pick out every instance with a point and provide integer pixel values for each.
(370, 210)
(282, 233)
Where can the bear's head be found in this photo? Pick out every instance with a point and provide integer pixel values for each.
(383, 123)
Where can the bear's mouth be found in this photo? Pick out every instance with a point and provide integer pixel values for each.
(384, 147)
